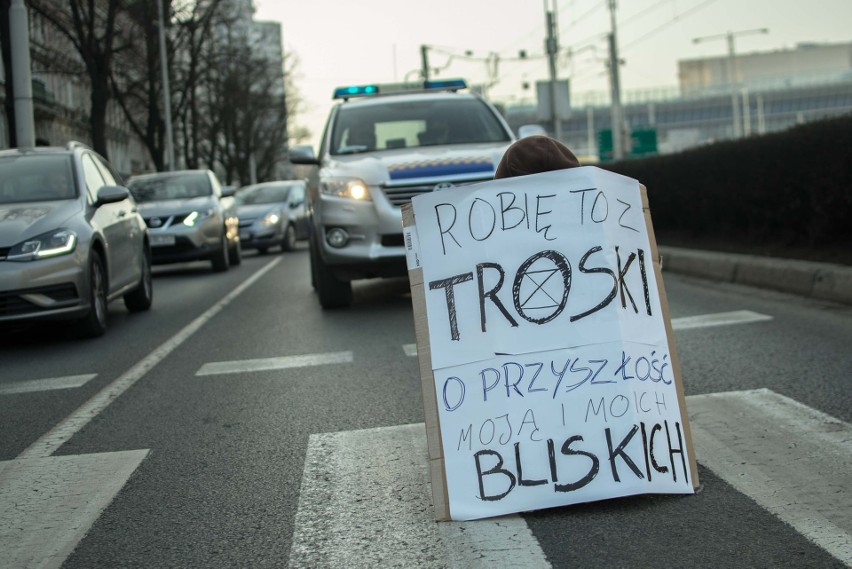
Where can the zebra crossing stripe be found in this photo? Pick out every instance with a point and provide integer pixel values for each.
(48, 504)
(366, 499)
(789, 458)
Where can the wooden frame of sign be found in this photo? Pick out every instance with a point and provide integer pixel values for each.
(437, 473)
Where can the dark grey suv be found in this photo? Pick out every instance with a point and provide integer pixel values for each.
(190, 217)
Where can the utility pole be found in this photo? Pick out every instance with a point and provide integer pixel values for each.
(731, 71)
(424, 62)
(19, 29)
(615, 88)
(167, 99)
(551, 46)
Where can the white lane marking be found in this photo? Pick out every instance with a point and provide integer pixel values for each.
(66, 429)
(48, 504)
(285, 362)
(719, 319)
(366, 500)
(791, 459)
(48, 384)
(685, 323)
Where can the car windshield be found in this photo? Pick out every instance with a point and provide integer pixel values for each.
(253, 195)
(413, 124)
(170, 187)
(36, 178)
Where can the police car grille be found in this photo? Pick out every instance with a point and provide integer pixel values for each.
(400, 195)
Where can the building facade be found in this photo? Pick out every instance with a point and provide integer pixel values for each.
(773, 91)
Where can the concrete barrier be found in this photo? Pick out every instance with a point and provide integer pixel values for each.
(824, 281)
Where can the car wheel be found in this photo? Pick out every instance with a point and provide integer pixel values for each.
(235, 254)
(333, 293)
(313, 266)
(94, 323)
(142, 296)
(288, 241)
(222, 261)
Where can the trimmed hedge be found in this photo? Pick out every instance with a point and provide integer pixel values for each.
(784, 194)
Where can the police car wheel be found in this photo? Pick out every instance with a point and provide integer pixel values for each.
(332, 292)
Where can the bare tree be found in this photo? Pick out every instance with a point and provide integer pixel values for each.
(247, 105)
(296, 132)
(137, 80)
(90, 27)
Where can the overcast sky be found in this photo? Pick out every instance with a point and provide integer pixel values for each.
(340, 42)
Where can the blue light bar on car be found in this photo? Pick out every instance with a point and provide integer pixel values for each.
(355, 91)
(448, 84)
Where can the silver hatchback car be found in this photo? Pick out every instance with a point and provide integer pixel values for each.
(272, 214)
(71, 239)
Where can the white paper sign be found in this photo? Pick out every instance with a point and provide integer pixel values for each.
(552, 369)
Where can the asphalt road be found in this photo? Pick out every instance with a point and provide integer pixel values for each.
(206, 469)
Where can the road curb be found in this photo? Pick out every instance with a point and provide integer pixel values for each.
(824, 281)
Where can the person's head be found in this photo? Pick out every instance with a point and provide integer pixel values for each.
(534, 154)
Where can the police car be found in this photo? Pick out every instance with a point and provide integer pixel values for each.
(381, 146)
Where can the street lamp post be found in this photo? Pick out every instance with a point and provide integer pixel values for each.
(167, 102)
(615, 88)
(731, 71)
(21, 74)
(551, 45)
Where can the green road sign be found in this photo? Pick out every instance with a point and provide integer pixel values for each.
(643, 142)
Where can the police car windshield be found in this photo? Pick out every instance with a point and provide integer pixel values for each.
(415, 124)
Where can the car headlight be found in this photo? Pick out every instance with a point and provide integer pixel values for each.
(52, 244)
(196, 217)
(270, 218)
(352, 188)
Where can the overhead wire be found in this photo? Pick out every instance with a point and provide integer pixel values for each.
(592, 67)
(664, 25)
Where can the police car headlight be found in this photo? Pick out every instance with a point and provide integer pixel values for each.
(352, 188)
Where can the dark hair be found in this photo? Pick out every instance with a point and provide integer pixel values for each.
(534, 154)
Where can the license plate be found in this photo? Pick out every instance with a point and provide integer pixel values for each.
(162, 240)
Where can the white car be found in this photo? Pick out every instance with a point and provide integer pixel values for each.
(382, 146)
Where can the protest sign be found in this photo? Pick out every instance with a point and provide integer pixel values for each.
(545, 347)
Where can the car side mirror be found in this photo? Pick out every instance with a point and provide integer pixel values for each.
(294, 205)
(112, 194)
(228, 191)
(302, 154)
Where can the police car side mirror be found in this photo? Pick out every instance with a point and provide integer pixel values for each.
(302, 154)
